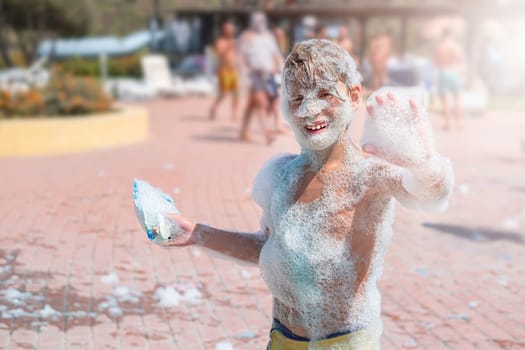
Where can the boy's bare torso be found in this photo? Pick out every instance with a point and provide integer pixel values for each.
(320, 287)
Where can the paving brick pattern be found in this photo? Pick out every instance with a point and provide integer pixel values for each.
(77, 272)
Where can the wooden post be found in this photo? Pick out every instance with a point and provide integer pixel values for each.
(103, 61)
(472, 42)
(363, 37)
(403, 36)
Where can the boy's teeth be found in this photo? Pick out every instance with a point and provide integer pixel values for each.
(316, 127)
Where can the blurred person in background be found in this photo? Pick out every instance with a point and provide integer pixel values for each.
(227, 70)
(282, 40)
(153, 27)
(309, 25)
(321, 32)
(177, 38)
(379, 51)
(449, 60)
(344, 40)
(262, 61)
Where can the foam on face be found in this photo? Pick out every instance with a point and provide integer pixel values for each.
(312, 67)
(310, 108)
(151, 207)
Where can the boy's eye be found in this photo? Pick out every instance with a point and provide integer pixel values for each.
(298, 99)
(324, 94)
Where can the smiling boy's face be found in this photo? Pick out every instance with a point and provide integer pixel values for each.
(319, 115)
(321, 93)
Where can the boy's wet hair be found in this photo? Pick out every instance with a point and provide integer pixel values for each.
(316, 61)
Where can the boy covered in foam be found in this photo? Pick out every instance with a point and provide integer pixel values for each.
(328, 211)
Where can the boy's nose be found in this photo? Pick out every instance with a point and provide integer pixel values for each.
(309, 108)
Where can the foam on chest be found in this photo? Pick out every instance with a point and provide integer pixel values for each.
(309, 244)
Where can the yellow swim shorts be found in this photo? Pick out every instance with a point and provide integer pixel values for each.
(358, 340)
(228, 80)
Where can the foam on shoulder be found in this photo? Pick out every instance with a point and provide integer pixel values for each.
(264, 182)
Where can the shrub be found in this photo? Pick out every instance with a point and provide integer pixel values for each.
(23, 104)
(81, 66)
(121, 66)
(64, 95)
(126, 66)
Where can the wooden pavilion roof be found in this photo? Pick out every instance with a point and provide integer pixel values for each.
(358, 8)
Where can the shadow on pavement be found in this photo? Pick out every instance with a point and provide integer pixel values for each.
(477, 234)
(507, 160)
(217, 138)
(195, 119)
(518, 188)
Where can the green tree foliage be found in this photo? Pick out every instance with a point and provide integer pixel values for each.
(24, 23)
(62, 17)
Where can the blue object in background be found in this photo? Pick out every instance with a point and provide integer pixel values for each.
(97, 46)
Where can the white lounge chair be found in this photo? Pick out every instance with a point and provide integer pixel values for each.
(158, 81)
(157, 75)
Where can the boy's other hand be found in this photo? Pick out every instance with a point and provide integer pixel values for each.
(389, 107)
(187, 227)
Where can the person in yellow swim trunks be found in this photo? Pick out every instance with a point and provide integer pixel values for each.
(227, 72)
(228, 80)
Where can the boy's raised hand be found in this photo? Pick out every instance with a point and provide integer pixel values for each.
(397, 131)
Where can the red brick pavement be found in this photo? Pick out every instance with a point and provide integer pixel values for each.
(451, 280)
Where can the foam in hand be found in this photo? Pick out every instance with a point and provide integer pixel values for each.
(396, 131)
(151, 207)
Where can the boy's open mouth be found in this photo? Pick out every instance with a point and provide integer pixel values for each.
(315, 128)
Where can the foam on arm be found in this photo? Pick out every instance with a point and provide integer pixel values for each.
(427, 186)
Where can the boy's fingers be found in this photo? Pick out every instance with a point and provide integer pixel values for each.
(380, 100)
(391, 96)
(369, 148)
(413, 107)
(420, 127)
(370, 110)
(401, 162)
